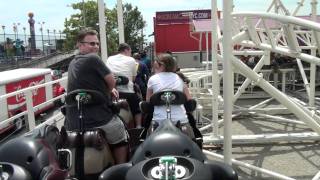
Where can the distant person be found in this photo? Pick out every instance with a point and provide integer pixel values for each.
(2, 51)
(145, 59)
(9, 48)
(122, 64)
(17, 46)
(87, 71)
(251, 62)
(142, 74)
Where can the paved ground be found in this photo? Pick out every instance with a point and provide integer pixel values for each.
(296, 160)
(300, 160)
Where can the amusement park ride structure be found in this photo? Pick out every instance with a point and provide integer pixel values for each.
(294, 37)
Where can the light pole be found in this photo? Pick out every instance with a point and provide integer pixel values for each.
(41, 30)
(4, 40)
(25, 35)
(4, 33)
(48, 36)
(15, 29)
(55, 39)
(60, 34)
(48, 48)
(15, 32)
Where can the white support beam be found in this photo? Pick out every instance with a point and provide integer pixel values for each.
(247, 82)
(252, 31)
(317, 176)
(281, 97)
(316, 37)
(300, 4)
(265, 138)
(271, 37)
(246, 52)
(291, 38)
(215, 31)
(284, 51)
(281, 18)
(120, 21)
(227, 79)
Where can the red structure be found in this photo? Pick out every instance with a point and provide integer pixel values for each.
(173, 31)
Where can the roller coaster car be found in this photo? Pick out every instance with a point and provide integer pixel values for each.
(121, 106)
(176, 98)
(34, 156)
(169, 154)
(13, 171)
(91, 153)
(47, 154)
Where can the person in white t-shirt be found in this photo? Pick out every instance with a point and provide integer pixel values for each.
(122, 64)
(165, 78)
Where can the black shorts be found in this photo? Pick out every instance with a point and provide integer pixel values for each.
(133, 101)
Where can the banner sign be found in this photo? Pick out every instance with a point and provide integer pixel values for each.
(182, 16)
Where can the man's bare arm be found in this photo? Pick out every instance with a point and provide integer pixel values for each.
(111, 82)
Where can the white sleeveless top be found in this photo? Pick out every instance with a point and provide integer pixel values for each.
(167, 81)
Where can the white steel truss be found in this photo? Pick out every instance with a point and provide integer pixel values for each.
(273, 32)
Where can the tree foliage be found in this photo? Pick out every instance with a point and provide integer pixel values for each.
(88, 17)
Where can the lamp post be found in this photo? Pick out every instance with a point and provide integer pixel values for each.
(4, 33)
(41, 30)
(48, 36)
(25, 35)
(60, 34)
(15, 29)
(4, 40)
(32, 41)
(55, 39)
(48, 48)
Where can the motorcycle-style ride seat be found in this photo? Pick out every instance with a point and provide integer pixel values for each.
(36, 152)
(89, 137)
(13, 171)
(89, 146)
(169, 143)
(177, 98)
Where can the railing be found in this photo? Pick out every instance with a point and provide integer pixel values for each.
(30, 109)
(35, 61)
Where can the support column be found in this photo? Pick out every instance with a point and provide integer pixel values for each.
(227, 79)
(102, 28)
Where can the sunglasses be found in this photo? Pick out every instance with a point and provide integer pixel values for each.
(91, 43)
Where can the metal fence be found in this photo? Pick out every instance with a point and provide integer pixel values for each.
(15, 47)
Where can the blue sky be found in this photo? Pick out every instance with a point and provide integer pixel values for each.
(54, 12)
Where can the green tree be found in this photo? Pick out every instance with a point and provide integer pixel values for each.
(133, 26)
(88, 17)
